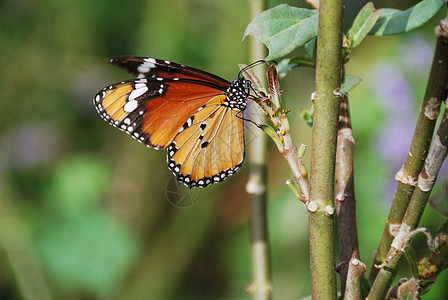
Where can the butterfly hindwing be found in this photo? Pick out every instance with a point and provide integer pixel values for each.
(210, 149)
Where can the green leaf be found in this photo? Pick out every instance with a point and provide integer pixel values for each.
(310, 48)
(273, 135)
(364, 22)
(306, 57)
(365, 287)
(349, 82)
(90, 252)
(394, 21)
(285, 65)
(440, 203)
(412, 260)
(307, 115)
(283, 29)
(78, 184)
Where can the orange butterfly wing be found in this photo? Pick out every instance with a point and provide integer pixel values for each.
(209, 149)
(150, 110)
(192, 112)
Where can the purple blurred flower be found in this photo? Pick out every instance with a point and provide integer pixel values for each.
(392, 90)
(394, 140)
(30, 145)
(417, 55)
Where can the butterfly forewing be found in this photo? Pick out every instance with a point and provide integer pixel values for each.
(157, 68)
(193, 113)
(167, 114)
(155, 109)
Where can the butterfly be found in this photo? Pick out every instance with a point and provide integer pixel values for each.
(193, 114)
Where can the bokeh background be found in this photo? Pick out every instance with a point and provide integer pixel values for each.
(88, 213)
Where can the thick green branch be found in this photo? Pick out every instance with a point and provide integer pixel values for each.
(407, 176)
(417, 204)
(323, 150)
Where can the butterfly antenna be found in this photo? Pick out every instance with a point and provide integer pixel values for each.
(254, 64)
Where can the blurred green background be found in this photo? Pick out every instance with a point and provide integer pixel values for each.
(88, 213)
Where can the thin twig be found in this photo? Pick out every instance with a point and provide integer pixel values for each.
(352, 288)
(281, 136)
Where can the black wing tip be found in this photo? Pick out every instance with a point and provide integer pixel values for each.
(116, 59)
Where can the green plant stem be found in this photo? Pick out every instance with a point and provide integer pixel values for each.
(19, 251)
(260, 287)
(323, 150)
(424, 131)
(345, 201)
(417, 204)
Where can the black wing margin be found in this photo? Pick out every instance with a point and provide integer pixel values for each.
(146, 67)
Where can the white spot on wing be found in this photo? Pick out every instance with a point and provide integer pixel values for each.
(140, 89)
(148, 64)
(130, 106)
